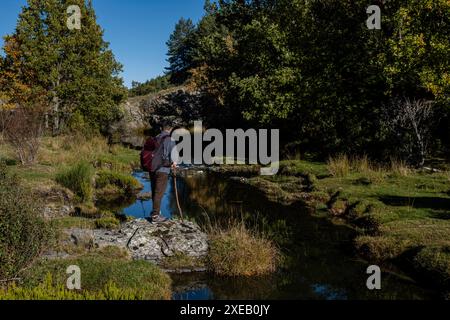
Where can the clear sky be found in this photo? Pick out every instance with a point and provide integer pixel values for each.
(136, 29)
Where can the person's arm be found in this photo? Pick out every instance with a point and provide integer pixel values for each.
(173, 154)
(168, 146)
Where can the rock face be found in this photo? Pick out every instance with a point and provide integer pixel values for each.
(58, 201)
(178, 104)
(154, 242)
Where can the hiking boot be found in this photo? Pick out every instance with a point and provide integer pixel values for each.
(158, 219)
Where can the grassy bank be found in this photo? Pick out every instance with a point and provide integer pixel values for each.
(74, 172)
(402, 214)
(105, 275)
(59, 153)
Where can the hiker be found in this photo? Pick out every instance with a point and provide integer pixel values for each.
(156, 159)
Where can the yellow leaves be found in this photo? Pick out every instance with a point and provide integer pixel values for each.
(437, 84)
(7, 106)
(11, 47)
(446, 78)
(229, 43)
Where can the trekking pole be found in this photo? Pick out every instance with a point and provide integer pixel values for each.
(176, 193)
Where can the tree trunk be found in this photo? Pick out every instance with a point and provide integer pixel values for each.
(55, 109)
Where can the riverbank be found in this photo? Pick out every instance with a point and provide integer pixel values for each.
(71, 184)
(400, 215)
(71, 175)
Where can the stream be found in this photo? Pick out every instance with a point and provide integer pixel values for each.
(319, 263)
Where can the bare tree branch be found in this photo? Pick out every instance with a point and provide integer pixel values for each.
(410, 120)
(23, 129)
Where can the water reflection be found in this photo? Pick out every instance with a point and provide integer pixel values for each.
(143, 208)
(318, 263)
(203, 293)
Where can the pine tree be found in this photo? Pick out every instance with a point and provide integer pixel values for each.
(180, 46)
(74, 68)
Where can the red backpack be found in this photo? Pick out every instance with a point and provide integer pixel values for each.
(151, 147)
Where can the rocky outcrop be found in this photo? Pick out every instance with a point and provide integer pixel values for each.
(58, 201)
(129, 130)
(154, 242)
(54, 210)
(179, 104)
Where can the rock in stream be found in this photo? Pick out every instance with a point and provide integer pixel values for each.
(154, 242)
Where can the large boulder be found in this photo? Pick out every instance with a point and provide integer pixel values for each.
(154, 242)
(181, 105)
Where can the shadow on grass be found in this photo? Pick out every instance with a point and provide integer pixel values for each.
(435, 203)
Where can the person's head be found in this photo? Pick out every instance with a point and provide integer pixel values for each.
(167, 125)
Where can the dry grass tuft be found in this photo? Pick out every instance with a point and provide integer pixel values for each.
(339, 166)
(238, 251)
(400, 168)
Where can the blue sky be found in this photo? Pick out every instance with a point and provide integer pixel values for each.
(136, 29)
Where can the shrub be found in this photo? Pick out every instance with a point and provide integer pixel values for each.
(78, 179)
(126, 183)
(240, 252)
(9, 162)
(23, 131)
(339, 166)
(23, 233)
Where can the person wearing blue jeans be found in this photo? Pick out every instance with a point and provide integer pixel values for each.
(163, 164)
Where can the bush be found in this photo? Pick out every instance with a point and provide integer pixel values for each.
(78, 179)
(239, 252)
(23, 131)
(126, 183)
(9, 162)
(23, 233)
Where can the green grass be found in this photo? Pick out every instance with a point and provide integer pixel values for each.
(303, 168)
(396, 209)
(125, 183)
(99, 270)
(123, 157)
(182, 261)
(79, 179)
(73, 222)
(36, 176)
(48, 290)
(61, 152)
(434, 260)
(108, 223)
